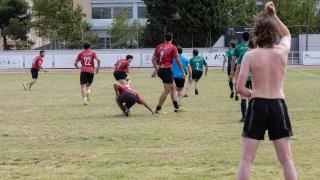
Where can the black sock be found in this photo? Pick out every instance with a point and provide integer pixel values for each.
(176, 105)
(158, 108)
(231, 85)
(243, 107)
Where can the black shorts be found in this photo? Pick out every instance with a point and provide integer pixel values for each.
(196, 75)
(229, 69)
(249, 84)
(86, 78)
(118, 75)
(34, 73)
(166, 75)
(127, 98)
(179, 82)
(267, 114)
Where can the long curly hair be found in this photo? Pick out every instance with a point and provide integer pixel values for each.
(265, 30)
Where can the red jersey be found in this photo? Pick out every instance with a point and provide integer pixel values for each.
(165, 53)
(125, 89)
(37, 62)
(122, 65)
(87, 60)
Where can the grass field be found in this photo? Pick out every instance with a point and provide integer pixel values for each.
(48, 134)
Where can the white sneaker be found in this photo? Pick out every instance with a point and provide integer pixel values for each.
(85, 101)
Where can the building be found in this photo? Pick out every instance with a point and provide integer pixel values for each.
(99, 14)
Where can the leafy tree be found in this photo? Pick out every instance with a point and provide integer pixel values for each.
(14, 20)
(123, 32)
(192, 20)
(59, 19)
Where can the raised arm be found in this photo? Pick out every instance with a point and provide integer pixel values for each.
(284, 31)
(242, 78)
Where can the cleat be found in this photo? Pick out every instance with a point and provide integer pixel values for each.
(186, 95)
(241, 120)
(127, 113)
(160, 112)
(196, 91)
(236, 98)
(179, 110)
(232, 95)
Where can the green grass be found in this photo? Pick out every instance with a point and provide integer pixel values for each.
(48, 134)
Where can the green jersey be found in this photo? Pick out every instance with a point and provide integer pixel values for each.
(240, 50)
(229, 55)
(197, 63)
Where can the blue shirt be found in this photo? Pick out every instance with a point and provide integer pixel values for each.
(175, 68)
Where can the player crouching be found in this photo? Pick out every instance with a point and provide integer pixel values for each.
(126, 97)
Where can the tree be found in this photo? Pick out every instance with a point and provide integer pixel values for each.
(59, 19)
(14, 20)
(123, 32)
(191, 21)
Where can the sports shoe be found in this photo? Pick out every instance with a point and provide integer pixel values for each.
(160, 112)
(236, 98)
(179, 110)
(24, 86)
(196, 91)
(186, 95)
(127, 112)
(85, 102)
(241, 120)
(232, 95)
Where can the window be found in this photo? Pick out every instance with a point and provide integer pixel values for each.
(142, 12)
(117, 10)
(101, 13)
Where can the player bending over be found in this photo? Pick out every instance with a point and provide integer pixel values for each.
(36, 66)
(87, 57)
(228, 58)
(197, 62)
(179, 78)
(162, 63)
(121, 69)
(267, 107)
(126, 97)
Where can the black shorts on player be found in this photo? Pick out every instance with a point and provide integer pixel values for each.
(119, 75)
(86, 78)
(34, 73)
(166, 75)
(249, 84)
(179, 82)
(196, 75)
(128, 99)
(267, 114)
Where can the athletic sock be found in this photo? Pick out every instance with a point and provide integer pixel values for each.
(231, 85)
(243, 107)
(176, 105)
(158, 108)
